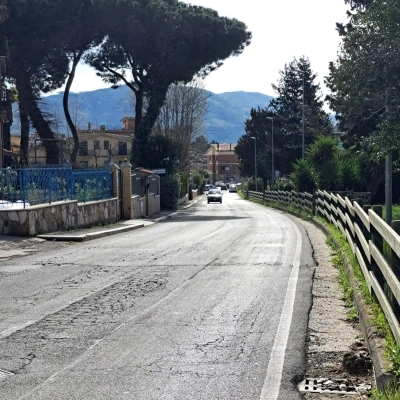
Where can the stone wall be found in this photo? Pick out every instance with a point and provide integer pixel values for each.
(138, 207)
(154, 204)
(64, 215)
(46, 218)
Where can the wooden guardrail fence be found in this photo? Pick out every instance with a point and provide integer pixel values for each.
(375, 244)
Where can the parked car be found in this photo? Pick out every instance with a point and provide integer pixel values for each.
(214, 195)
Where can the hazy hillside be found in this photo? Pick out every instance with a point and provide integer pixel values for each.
(225, 119)
(227, 113)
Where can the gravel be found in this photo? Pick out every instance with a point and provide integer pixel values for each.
(336, 349)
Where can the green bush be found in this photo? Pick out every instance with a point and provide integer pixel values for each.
(252, 184)
(169, 192)
(283, 184)
(303, 177)
(198, 181)
(183, 184)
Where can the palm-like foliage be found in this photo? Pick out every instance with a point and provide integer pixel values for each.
(326, 167)
(350, 170)
(303, 176)
(329, 176)
(325, 148)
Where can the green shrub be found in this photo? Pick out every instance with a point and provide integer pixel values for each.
(303, 177)
(183, 183)
(284, 184)
(198, 181)
(252, 184)
(169, 192)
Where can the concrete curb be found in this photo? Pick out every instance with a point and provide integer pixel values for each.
(90, 236)
(375, 344)
(109, 232)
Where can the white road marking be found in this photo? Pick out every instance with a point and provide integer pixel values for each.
(272, 382)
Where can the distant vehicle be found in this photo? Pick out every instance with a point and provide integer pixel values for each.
(232, 188)
(214, 195)
(208, 187)
(223, 186)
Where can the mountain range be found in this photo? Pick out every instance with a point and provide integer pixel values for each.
(225, 118)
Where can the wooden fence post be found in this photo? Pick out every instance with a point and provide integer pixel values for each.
(395, 260)
(376, 238)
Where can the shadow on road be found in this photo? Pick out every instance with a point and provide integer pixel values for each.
(199, 217)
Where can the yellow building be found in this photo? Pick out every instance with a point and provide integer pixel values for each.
(97, 147)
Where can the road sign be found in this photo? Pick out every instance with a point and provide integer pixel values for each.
(159, 171)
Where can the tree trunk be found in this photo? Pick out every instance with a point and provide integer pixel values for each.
(39, 123)
(143, 129)
(139, 94)
(70, 123)
(24, 147)
(388, 188)
(388, 165)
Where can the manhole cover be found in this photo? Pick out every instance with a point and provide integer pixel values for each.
(339, 386)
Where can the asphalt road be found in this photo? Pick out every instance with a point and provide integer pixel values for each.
(212, 304)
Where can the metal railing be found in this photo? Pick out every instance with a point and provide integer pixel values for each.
(47, 184)
(91, 184)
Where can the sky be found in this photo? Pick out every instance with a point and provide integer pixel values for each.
(282, 31)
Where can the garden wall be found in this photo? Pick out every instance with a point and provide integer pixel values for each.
(57, 216)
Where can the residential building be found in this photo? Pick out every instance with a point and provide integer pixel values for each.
(222, 163)
(97, 147)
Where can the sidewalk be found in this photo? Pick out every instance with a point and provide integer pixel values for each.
(15, 246)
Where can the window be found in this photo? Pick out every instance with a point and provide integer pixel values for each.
(224, 168)
(83, 148)
(97, 144)
(122, 148)
(106, 144)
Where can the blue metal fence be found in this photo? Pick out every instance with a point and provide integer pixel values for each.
(91, 184)
(47, 184)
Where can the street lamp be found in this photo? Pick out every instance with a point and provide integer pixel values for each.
(255, 159)
(302, 138)
(272, 152)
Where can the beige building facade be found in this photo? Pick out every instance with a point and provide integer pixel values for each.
(97, 147)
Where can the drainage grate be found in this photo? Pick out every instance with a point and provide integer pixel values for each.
(334, 386)
(5, 374)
